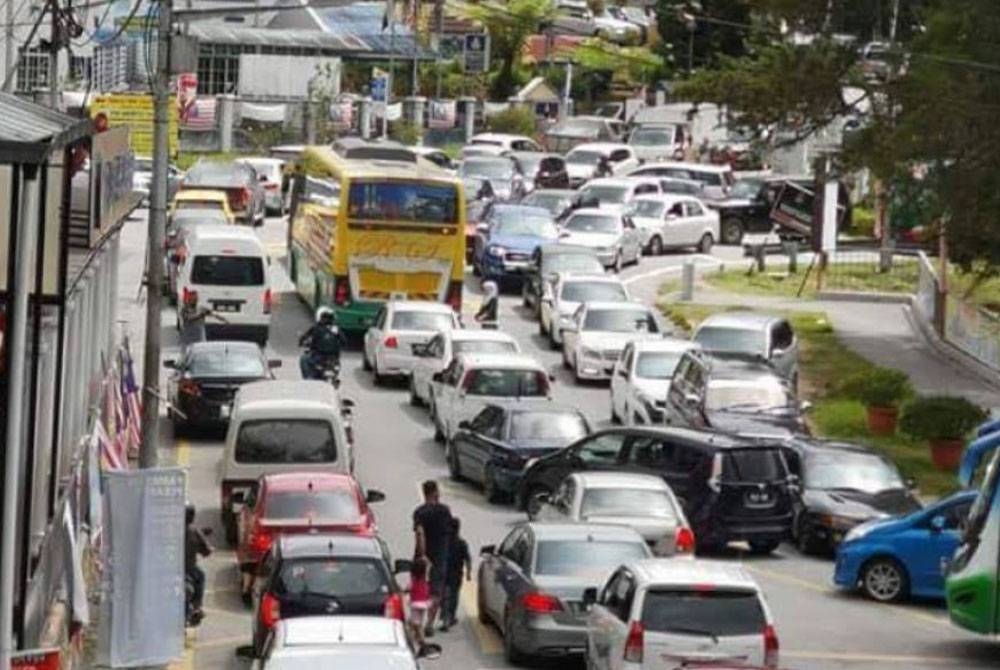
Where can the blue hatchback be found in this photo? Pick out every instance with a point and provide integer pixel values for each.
(508, 237)
(894, 559)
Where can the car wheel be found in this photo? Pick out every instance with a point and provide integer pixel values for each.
(481, 613)
(415, 399)
(763, 547)
(656, 246)
(705, 244)
(732, 230)
(366, 365)
(804, 539)
(511, 653)
(885, 580)
(617, 265)
(533, 501)
(454, 468)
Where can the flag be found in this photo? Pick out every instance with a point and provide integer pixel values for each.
(201, 115)
(131, 402)
(110, 457)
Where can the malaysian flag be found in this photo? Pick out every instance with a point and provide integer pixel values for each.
(111, 458)
(200, 115)
(131, 404)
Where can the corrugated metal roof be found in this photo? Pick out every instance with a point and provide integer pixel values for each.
(28, 131)
(346, 42)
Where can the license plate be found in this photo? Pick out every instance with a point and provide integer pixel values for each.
(226, 306)
(758, 498)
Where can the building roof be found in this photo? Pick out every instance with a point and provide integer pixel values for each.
(30, 132)
(537, 90)
(342, 42)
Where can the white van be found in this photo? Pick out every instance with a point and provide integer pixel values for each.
(226, 268)
(282, 426)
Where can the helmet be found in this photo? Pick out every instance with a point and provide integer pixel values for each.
(325, 315)
(189, 511)
(490, 288)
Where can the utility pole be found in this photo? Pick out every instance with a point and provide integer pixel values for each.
(9, 53)
(55, 46)
(895, 20)
(154, 245)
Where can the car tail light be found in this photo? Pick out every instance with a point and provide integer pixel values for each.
(189, 387)
(394, 607)
(770, 647)
(391, 342)
(634, 643)
(245, 196)
(540, 603)
(270, 610)
(684, 540)
(187, 295)
(341, 291)
(268, 301)
(454, 298)
(260, 539)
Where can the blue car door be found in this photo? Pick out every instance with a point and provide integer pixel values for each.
(930, 543)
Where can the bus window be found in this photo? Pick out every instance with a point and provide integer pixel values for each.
(402, 201)
(984, 502)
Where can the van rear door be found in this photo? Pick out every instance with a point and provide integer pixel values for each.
(753, 487)
(232, 282)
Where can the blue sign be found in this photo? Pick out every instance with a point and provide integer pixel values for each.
(379, 88)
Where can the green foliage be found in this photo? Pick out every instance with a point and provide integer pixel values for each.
(516, 120)
(724, 36)
(635, 64)
(940, 418)
(879, 387)
(405, 132)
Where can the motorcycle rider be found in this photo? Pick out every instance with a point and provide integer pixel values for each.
(195, 545)
(488, 316)
(323, 341)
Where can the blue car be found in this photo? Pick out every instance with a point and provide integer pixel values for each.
(902, 557)
(508, 236)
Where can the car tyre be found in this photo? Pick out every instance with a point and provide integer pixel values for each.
(511, 653)
(617, 264)
(763, 547)
(884, 580)
(804, 539)
(705, 244)
(656, 246)
(732, 230)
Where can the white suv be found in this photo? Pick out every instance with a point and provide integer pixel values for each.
(569, 291)
(641, 380)
(690, 611)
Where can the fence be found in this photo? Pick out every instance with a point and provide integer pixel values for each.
(974, 330)
(928, 293)
(862, 270)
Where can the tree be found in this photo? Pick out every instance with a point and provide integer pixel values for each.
(702, 32)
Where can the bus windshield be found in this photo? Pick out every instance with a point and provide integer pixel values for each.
(403, 201)
(980, 510)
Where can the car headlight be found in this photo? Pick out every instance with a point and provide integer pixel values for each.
(858, 532)
(841, 522)
(587, 352)
(495, 250)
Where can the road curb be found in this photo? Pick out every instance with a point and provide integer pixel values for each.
(853, 296)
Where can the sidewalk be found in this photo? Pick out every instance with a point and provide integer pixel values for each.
(882, 333)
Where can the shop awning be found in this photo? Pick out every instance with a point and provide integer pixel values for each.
(29, 132)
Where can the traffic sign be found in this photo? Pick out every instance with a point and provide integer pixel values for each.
(380, 85)
(477, 52)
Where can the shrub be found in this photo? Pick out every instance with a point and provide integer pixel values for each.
(879, 387)
(405, 132)
(516, 120)
(940, 418)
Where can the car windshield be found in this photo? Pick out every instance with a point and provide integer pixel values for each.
(186, 216)
(609, 194)
(648, 208)
(732, 340)
(709, 612)
(627, 502)
(847, 470)
(412, 201)
(555, 203)
(225, 362)
(483, 347)
(620, 321)
(285, 441)
(753, 465)
(745, 189)
(593, 223)
(746, 395)
(580, 558)
(649, 137)
(228, 270)
(422, 321)
(342, 577)
(657, 364)
(200, 205)
(487, 169)
(341, 504)
(572, 263)
(530, 161)
(525, 223)
(506, 383)
(560, 429)
(597, 291)
(584, 157)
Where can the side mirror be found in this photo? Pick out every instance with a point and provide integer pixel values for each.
(589, 596)
(170, 364)
(938, 523)
(488, 549)
(691, 399)
(401, 565)
(274, 364)
(374, 496)
(464, 425)
(239, 497)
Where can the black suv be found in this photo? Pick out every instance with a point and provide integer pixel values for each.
(731, 488)
(733, 393)
(305, 575)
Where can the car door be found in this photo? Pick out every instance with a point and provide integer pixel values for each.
(515, 576)
(374, 334)
(620, 386)
(445, 390)
(496, 572)
(694, 221)
(571, 335)
(677, 393)
(674, 225)
(597, 452)
(601, 623)
(931, 543)
(620, 620)
(631, 239)
(425, 364)
(480, 440)
(689, 397)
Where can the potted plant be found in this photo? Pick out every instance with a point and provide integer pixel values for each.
(881, 390)
(944, 421)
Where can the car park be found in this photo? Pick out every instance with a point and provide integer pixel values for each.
(612, 235)
(471, 381)
(764, 336)
(673, 222)
(542, 170)
(239, 181)
(641, 378)
(548, 261)
(205, 377)
(843, 486)
(493, 448)
(569, 291)
(616, 192)
(698, 612)
(716, 180)
(502, 173)
(435, 356)
(731, 488)
(531, 586)
(399, 325)
(641, 502)
(559, 202)
(271, 174)
(598, 333)
(583, 162)
(507, 238)
(338, 641)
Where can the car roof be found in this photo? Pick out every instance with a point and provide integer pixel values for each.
(588, 277)
(597, 532)
(298, 481)
(666, 344)
(603, 147)
(744, 320)
(510, 207)
(606, 213)
(225, 346)
(312, 631)
(418, 306)
(506, 361)
(473, 335)
(622, 480)
(618, 181)
(699, 167)
(297, 393)
(556, 249)
(634, 305)
(218, 231)
(309, 545)
(669, 198)
(671, 572)
(738, 366)
(692, 437)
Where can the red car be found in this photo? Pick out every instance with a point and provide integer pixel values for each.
(297, 503)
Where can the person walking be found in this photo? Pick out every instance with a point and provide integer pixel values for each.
(432, 531)
(195, 545)
(459, 563)
(420, 600)
(488, 315)
(192, 320)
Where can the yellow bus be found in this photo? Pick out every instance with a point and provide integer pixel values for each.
(372, 223)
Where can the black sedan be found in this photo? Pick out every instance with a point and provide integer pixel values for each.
(206, 376)
(547, 262)
(843, 485)
(542, 170)
(495, 447)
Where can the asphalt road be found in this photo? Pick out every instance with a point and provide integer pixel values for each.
(818, 626)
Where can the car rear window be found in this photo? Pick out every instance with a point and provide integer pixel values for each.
(710, 612)
(753, 465)
(226, 363)
(506, 383)
(422, 321)
(581, 557)
(333, 576)
(199, 204)
(228, 270)
(561, 428)
(484, 347)
(627, 503)
(734, 340)
(328, 505)
(286, 441)
(603, 291)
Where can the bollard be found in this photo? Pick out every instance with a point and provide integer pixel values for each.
(759, 257)
(792, 249)
(469, 109)
(687, 281)
(365, 118)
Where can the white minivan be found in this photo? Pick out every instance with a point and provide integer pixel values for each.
(282, 426)
(226, 270)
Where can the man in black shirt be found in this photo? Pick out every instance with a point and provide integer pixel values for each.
(459, 563)
(432, 527)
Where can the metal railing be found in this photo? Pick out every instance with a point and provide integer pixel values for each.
(974, 330)
(863, 270)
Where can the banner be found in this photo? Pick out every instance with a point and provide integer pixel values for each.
(144, 513)
(342, 114)
(135, 111)
(201, 115)
(262, 113)
(187, 91)
(441, 114)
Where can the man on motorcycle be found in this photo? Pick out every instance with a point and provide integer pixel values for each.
(195, 545)
(322, 341)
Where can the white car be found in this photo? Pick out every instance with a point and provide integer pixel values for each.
(271, 172)
(618, 192)
(673, 222)
(471, 381)
(436, 156)
(612, 235)
(616, 30)
(435, 356)
(716, 180)
(641, 379)
(593, 342)
(696, 611)
(370, 642)
(568, 292)
(583, 161)
(401, 324)
(504, 142)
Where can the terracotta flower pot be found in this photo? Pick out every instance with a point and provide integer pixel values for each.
(946, 454)
(882, 420)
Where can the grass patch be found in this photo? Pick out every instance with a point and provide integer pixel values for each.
(825, 363)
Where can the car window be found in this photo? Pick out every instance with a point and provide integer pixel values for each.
(587, 291)
(782, 336)
(285, 441)
(422, 321)
(623, 320)
(646, 188)
(714, 612)
(619, 155)
(480, 422)
(649, 452)
(380, 319)
(736, 340)
(340, 504)
(656, 364)
(493, 423)
(228, 270)
(571, 558)
(484, 347)
(686, 459)
(340, 576)
(677, 209)
(507, 383)
(626, 502)
(753, 465)
(955, 515)
(509, 542)
(602, 449)
(693, 208)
